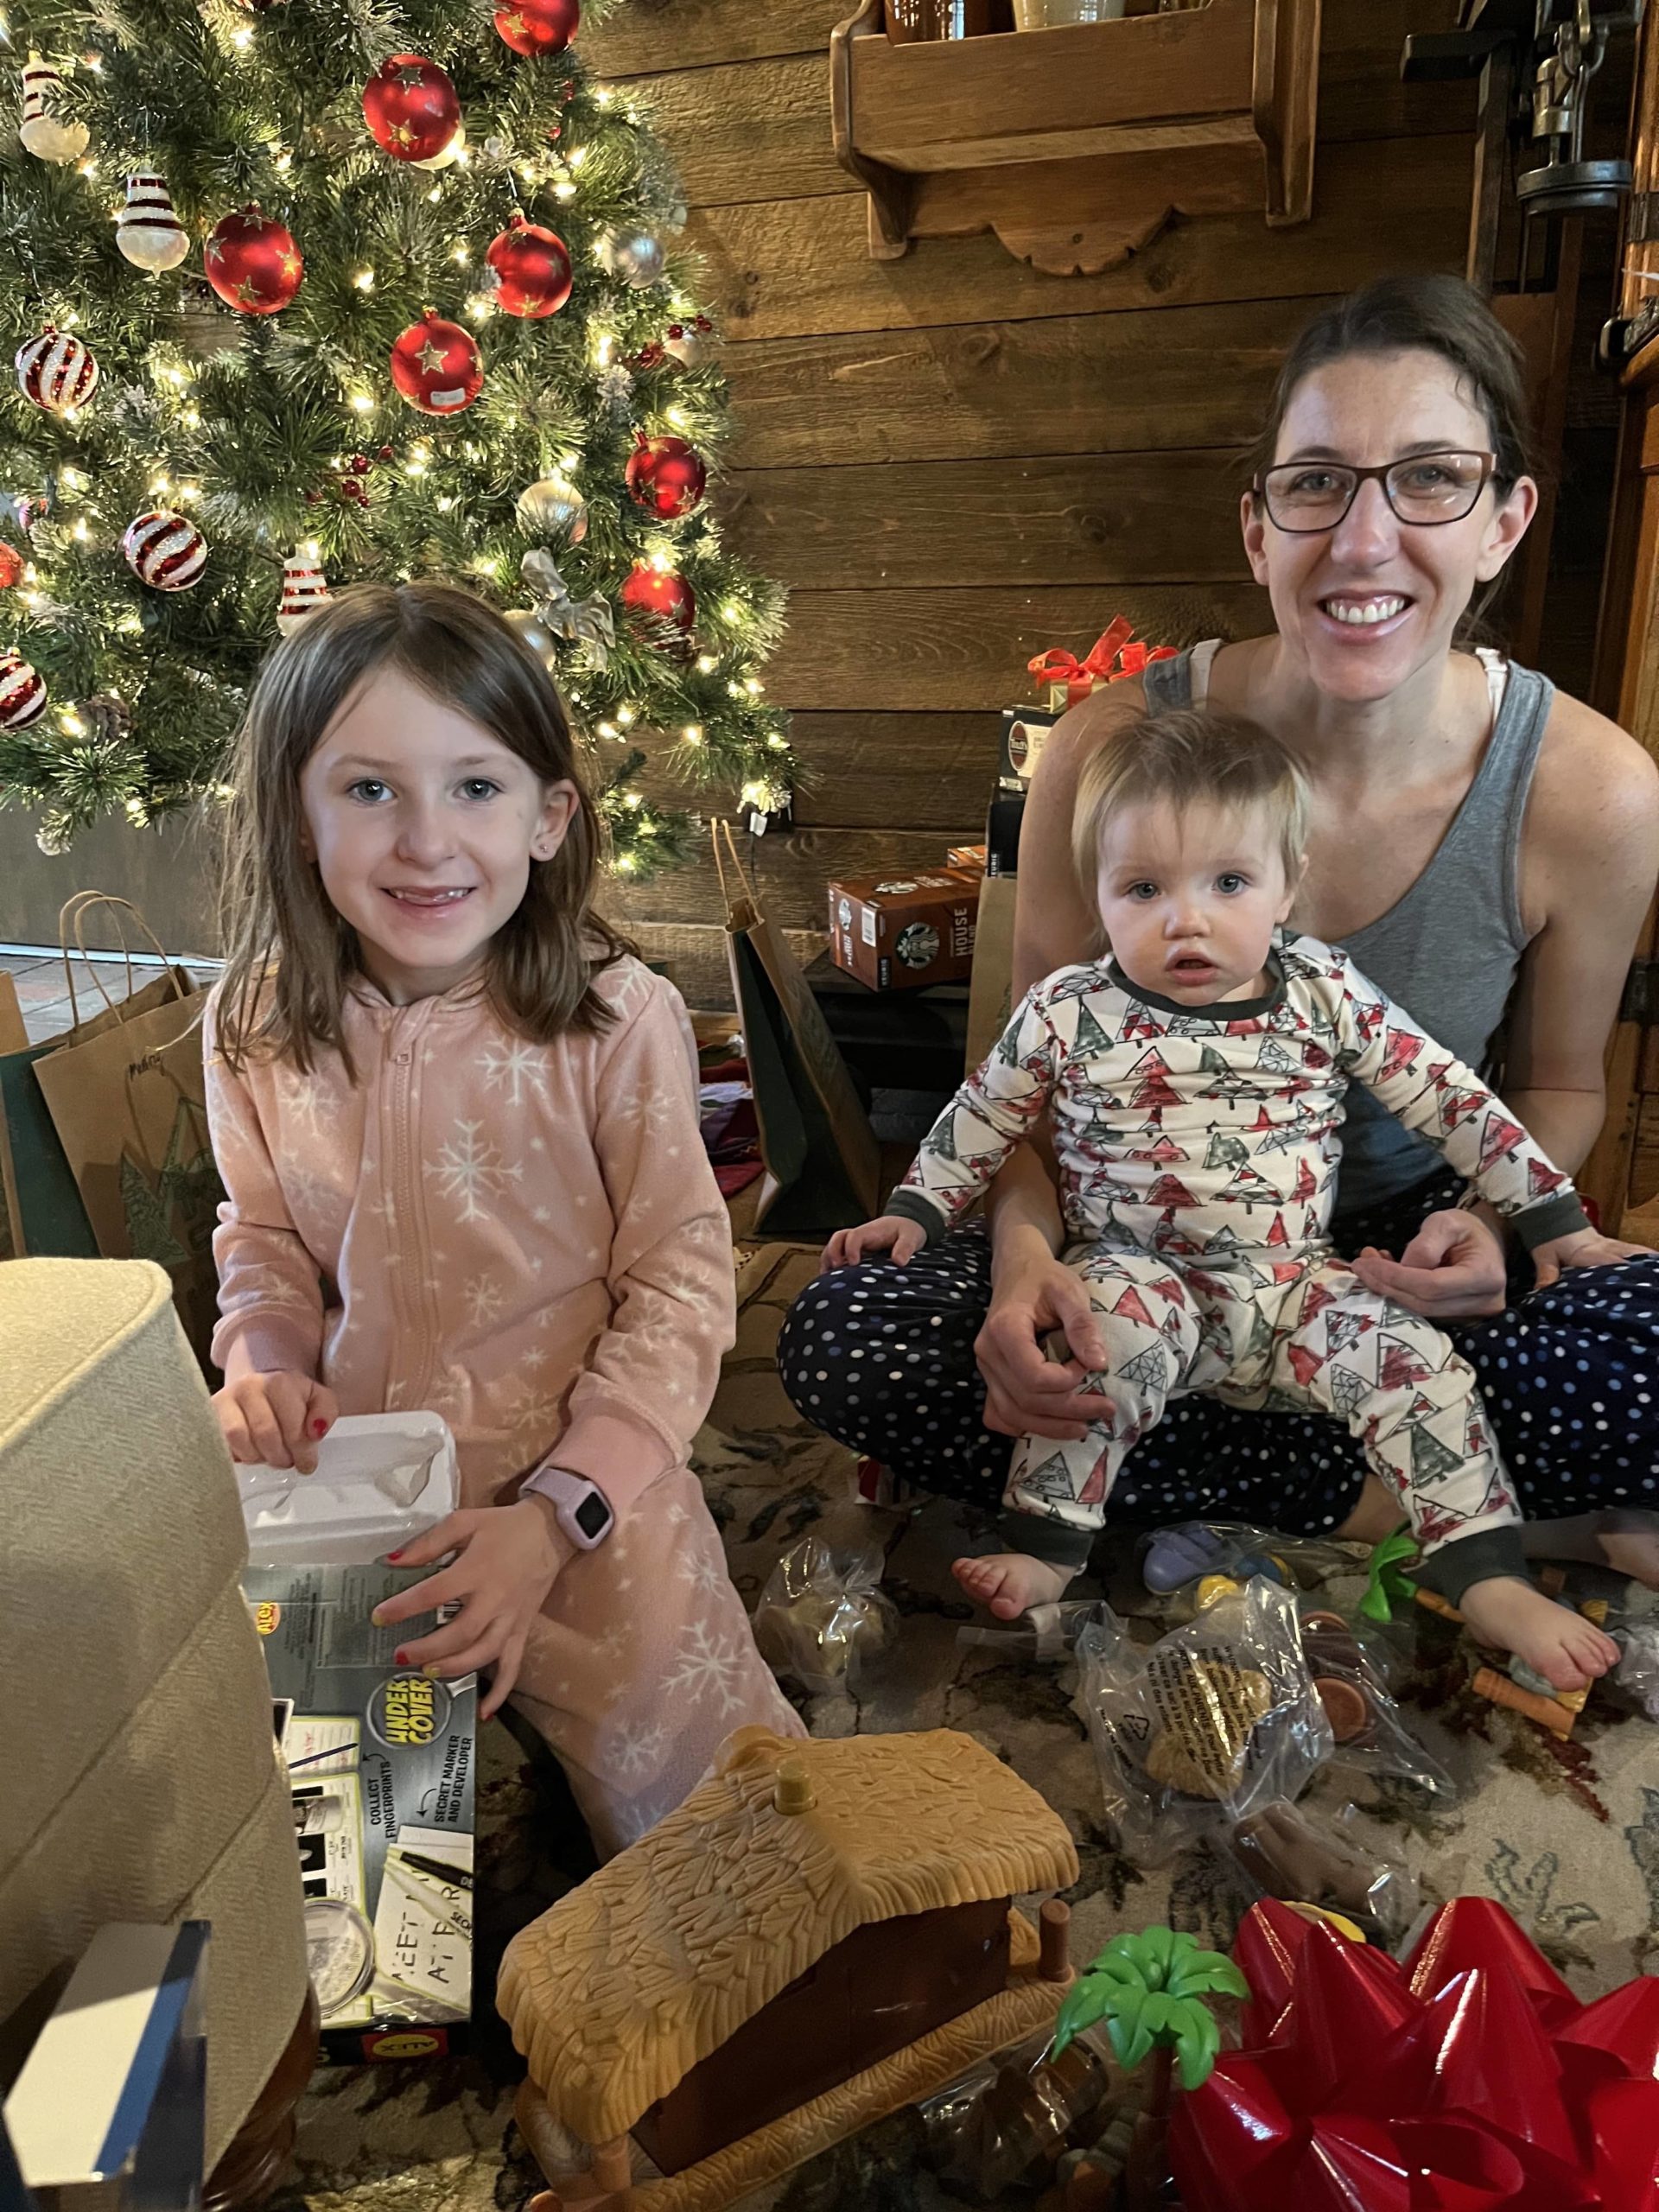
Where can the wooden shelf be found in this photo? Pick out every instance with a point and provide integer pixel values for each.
(1076, 145)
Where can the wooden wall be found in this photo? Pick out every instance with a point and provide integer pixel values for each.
(953, 462)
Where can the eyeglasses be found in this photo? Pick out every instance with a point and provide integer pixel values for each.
(1425, 489)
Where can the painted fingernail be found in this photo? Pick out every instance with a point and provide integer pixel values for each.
(395, 1555)
(433, 1668)
(318, 1428)
(400, 1658)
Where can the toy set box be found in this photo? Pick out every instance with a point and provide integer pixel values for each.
(380, 1763)
(898, 933)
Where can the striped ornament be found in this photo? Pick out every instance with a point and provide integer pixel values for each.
(165, 550)
(56, 371)
(22, 692)
(42, 129)
(305, 588)
(147, 230)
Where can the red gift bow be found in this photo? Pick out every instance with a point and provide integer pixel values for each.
(1108, 660)
(1472, 2080)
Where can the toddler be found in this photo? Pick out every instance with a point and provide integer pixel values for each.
(1195, 1078)
(457, 1123)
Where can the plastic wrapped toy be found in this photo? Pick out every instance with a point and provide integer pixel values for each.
(1173, 1558)
(1292, 1852)
(1194, 1732)
(822, 1616)
(1008, 2121)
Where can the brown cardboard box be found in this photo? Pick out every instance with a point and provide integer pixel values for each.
(899, 932)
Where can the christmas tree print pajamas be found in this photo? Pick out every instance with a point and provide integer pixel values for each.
(528, 1240)
(1197, 1149)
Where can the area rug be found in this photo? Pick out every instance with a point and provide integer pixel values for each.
(1567, 1837)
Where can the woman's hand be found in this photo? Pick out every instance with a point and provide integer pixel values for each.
(1026, 1393)
(1584, 1248)
(507, 1559)
(277, 1419)
(889, 1232)
(1452, 1270)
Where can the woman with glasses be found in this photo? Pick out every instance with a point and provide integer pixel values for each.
(1484, 848)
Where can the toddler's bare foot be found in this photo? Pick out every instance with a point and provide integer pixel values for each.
(1561, 1645)
(1010, 1584)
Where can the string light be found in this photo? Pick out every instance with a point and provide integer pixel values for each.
(604, 95)
(310, 549)
(607, 729)
(73, 722)
(624, 715)
(364, 280)
(159, 486)
(361, 403)
(775, 742)
(705, 664)
(460, 255)
(436, 195)
(81, 532)
(754, 686)
(693, 733)
(242, 40)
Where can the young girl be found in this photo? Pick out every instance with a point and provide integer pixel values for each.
(456, 1119)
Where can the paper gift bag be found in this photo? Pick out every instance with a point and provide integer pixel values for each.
(127, 1097)
(823, 1166)
(990, 982)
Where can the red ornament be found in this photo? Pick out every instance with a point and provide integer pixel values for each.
(436, 367)
(533, 265)
(388, 453)
(56, 371)
(11, 565)
(659, 595)
(411, 108)
(165, 549)
(252, 263)
(666, 475)
(22, 692)
(538, 27)
(359, 464)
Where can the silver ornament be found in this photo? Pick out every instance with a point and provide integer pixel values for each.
(534, 633)
(552, 507)
(636, 256)
(687, 348)
(587, 622)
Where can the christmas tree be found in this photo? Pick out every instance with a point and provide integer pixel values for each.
(309, 291)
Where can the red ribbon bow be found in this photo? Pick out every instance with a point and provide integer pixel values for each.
(1472, 2080)
(1108, 660)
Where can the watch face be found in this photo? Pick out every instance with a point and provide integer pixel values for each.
(592, 1516)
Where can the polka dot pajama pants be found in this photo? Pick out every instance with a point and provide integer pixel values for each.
(882, 1359)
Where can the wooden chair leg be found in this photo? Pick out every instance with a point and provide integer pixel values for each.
(257, 2157)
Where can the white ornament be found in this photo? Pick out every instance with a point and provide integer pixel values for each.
(305, 588)
(687, 348)
(44, 135)
(165, 550)
(56, 371)
(147, 230)
(616, 387)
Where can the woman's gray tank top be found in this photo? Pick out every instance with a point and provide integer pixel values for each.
(1449, 948)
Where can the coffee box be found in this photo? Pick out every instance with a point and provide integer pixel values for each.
(901, 932)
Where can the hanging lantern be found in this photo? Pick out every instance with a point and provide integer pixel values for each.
(147, 230)
(252, 263)
(41, 128)
(305, 588)
(56, 371)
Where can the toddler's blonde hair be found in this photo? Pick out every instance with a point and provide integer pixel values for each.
(1189, 757)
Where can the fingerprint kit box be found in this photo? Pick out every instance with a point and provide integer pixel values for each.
(901, 932)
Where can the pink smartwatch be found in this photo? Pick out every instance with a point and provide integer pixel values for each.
(580, 1507)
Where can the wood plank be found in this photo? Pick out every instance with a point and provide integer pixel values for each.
(889, 651)
(642, 36)
(866, 772)
(1066, 519)
(783, 269)
(791, 874)
(695, 956)
(1145, 380)
(759, 129)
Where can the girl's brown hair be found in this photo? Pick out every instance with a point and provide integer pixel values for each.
(291, 958)
(1433, 313)
(1190, 756)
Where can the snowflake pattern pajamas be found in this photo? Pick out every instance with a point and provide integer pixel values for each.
(528, 1240)
(1197, 1149)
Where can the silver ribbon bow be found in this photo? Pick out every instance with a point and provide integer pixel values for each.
(584, 621)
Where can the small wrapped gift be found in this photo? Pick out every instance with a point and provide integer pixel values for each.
(1471, 2078)
(1115, 654)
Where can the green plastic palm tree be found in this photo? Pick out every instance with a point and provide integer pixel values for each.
(1151, 1990)
(1388, 1584)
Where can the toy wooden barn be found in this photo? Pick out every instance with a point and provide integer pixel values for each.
(823, 1932)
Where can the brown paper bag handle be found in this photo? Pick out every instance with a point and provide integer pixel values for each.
(738, 869)
(73, 915)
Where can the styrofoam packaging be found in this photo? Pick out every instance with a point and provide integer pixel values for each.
(382, 1479)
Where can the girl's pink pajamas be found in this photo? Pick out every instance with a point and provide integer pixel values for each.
(528, 1240)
